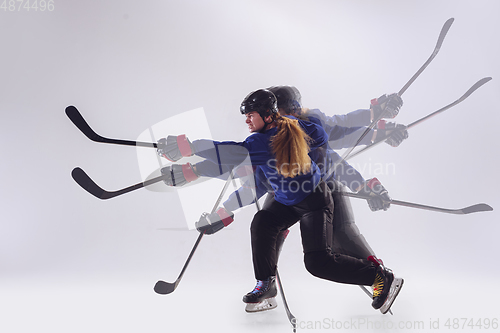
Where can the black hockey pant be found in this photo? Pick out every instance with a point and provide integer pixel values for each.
(315, 214)
(347, 238)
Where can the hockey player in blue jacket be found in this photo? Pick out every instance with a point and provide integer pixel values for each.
(343, 132)
(279, 148)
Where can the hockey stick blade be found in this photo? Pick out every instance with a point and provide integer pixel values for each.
(461, 99)
(164, 288)
(477, 208)
(476, 86)
(467, 210)
(90, 186)
(441, 37)
(76, 118)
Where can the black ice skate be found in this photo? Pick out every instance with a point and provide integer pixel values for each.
(385, 289)
(262, 297)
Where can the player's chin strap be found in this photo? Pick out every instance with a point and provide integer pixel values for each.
(266, 126)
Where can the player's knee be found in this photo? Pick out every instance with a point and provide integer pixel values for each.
(316, 262)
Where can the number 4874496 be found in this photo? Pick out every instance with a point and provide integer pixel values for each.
(470, 323)
(27, 5)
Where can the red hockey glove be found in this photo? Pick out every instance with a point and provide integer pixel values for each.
(377, 196)
(179, 174)
(211, 223)
(387, 105)
(397, 132)
(173, 148)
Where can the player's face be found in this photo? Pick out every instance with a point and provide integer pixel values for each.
(254, 121)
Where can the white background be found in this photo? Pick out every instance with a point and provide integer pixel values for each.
(72, 263)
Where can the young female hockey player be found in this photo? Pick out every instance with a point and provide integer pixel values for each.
(347, 238)
(279, 149)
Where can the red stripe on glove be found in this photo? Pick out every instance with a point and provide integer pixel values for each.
(184, 146)
(373, 182)
(188, 172)
(225, 217)
(381, 124)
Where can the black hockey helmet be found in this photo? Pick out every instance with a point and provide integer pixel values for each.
(262, 101)
(288, 97)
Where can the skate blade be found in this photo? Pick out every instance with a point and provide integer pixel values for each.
(396, 286)
(267, 304)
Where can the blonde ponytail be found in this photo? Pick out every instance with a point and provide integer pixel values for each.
(290, 145)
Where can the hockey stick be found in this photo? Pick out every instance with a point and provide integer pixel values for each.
(289, 314)
(441, 37)
(467, 94)
(291, 317)
(462, 211)
(461, 99)
(90, 186)
(75, 116)
(162, 287)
